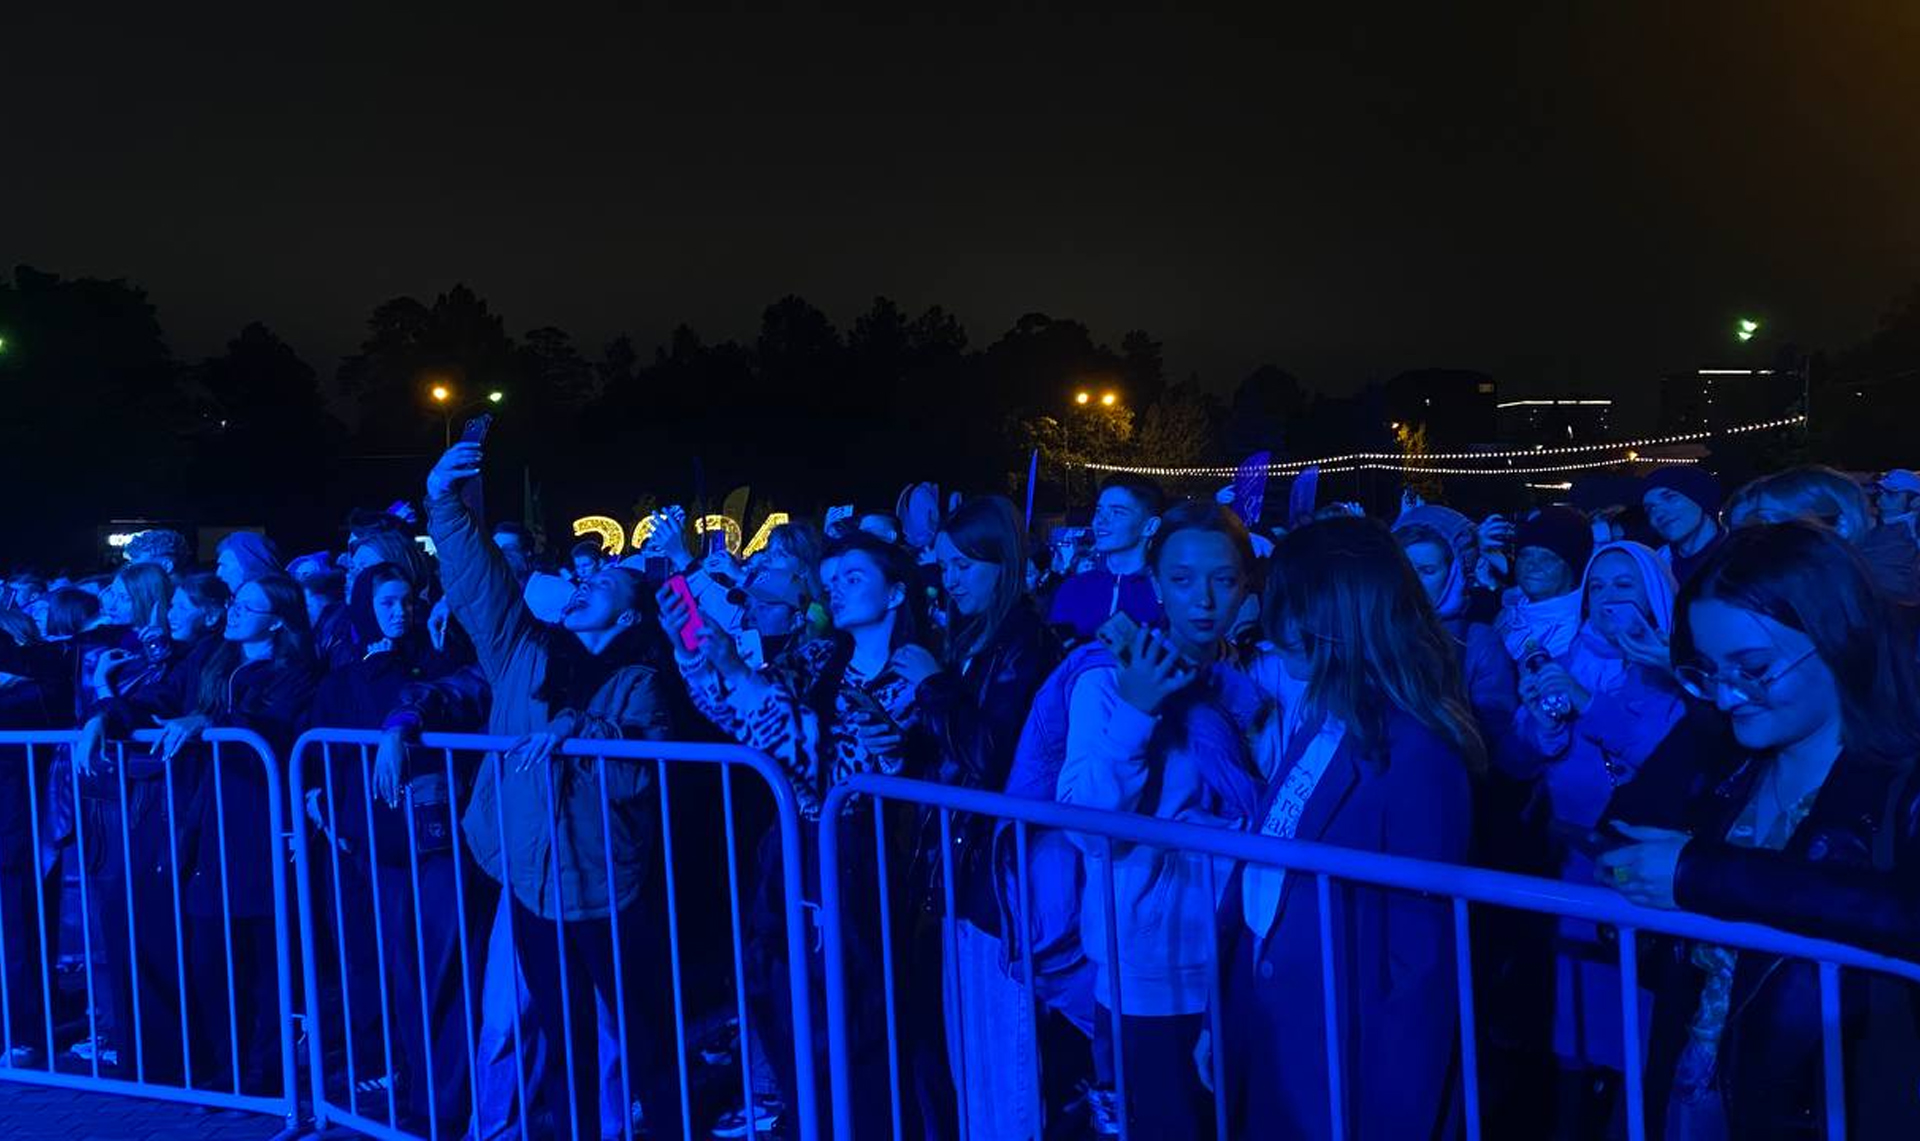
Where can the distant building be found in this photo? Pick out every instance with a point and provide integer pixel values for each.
(1710, 399)
(1456, 405)
(1556, 422)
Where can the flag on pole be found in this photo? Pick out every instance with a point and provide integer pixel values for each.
(1033, 475)
(1300, 500)
(1250, 488)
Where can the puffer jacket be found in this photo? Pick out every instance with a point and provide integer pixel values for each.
(542, 832)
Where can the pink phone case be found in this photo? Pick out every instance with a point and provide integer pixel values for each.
(690, 633)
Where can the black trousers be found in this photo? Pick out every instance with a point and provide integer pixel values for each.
(1167, 1101)
(582, 952)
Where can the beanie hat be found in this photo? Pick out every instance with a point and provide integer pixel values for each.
(1690, 480)
(1561, 530)
(255, 552)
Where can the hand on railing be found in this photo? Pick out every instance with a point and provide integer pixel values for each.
(91, 746)
(1643, 871)
(388, 758)
(534, 748)
(178, 732)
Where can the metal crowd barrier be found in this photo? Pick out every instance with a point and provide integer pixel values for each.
(185, 989)
(325, 856)
(1462, 885)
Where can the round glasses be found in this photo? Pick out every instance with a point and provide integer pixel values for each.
(1749, 687)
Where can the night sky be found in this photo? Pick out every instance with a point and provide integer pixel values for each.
(1540, 195)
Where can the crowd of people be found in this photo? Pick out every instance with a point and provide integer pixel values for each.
(1701, 703)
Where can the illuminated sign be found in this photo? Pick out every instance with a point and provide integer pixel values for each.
(613, 537)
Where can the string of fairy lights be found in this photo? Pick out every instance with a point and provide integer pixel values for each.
(1400, 462)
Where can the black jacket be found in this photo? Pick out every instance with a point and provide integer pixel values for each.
(975, 717)
(1823, 884)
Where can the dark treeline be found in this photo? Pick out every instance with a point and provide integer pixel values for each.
(103, 422)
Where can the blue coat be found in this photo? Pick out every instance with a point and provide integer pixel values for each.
(1393, 959)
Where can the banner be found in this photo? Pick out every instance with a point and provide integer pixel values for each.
(1033, 475)
(1250, 488)
(1300, 500)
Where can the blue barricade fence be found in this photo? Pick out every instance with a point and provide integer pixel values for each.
(1463, 886)
(394, 915)
(182, 934)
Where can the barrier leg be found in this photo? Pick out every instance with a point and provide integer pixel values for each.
(619, 961)
(380, 943)
(739, 955)
(44, 951)
(86, 914)
(1630, 1024)
(1336, 1090)
(179, 921)
(310, 951)
(1833, 1065)
(673, 953)
(1037, 1106)
(1469, 1021)
(1125, 1109)
(132, 972)
(886, 959)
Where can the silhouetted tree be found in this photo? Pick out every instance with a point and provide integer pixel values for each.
(266, 442)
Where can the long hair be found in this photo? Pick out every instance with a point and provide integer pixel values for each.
(1812, 492)
(292, 643)
(1807, 578)
(897, 568)
(148, 587)
(396, 549)
(1197, 515)
(987, 529)
(69, 611)
(208, 595)
(1376, 647)
(360, 606)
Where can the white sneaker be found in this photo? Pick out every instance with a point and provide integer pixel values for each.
(1103, 1112)
(85, 1049)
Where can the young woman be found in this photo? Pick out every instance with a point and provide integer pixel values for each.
(1163, 732)
(1542, 610)
(130, 690)
(1372, 747)
(840, 705)
(1440, 544)
(997, 653)
(395, 674)
(1587, 723)
(261, 677)
(1822, 495)
(1816, 830)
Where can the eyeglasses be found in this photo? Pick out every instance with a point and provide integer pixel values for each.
(234, 604)
(1749, 687)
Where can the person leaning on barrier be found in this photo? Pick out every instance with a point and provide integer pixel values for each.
(536, 822)
(1809, 823)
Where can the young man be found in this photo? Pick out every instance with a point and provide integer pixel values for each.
(588, 558)
(535, 822)
(1680, 500)
(1895, 496)
(517, 546)
(1124, 517)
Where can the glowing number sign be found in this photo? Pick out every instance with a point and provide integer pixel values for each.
(760, 537)
(613, 537)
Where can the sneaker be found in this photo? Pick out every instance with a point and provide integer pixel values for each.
(86, 1048)
(766, 1114)
(1103, 1112)
(21, 1058)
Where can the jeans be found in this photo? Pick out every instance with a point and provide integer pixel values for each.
(990, 1040)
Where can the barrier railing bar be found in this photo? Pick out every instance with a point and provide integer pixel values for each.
(1217, 1054)
(277, 821)
(887, 972)
(950, 929)
(40, 898)
(133, 936)
(673, 955)
(309, 966)
(419, 954)
(332, 838)
(1026, 961)
(86, 909)
(574, 1093)
(1832, 1064)
(1330, 992)
(179, 920)
(1476, 885)
(379, 943)
(1630, 1031)
(619, 974)
(508, 902)
(226, 916)
(466, 952)
(1114, 1020)
(1469, 1022)
(6, 997)
(739, 956)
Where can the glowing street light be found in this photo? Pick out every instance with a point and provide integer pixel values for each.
(1108, 400)
(1745, 329)
(496, 396)
(1082, 397)
(441, 393)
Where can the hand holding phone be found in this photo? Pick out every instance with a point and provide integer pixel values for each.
(689, 632)
(1117, 634)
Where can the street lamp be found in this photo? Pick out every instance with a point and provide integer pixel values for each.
(1108, 400)
(444, 396)
(1082, 397)
(1745, 329)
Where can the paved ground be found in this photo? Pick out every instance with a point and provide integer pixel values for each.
(33, 1113)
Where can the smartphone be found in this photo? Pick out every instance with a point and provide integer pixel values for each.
(1117, 634)
(1588, 842)
(753, 651)
(475, 430)
(1627, 617)
(716, 542)
(690, 633)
